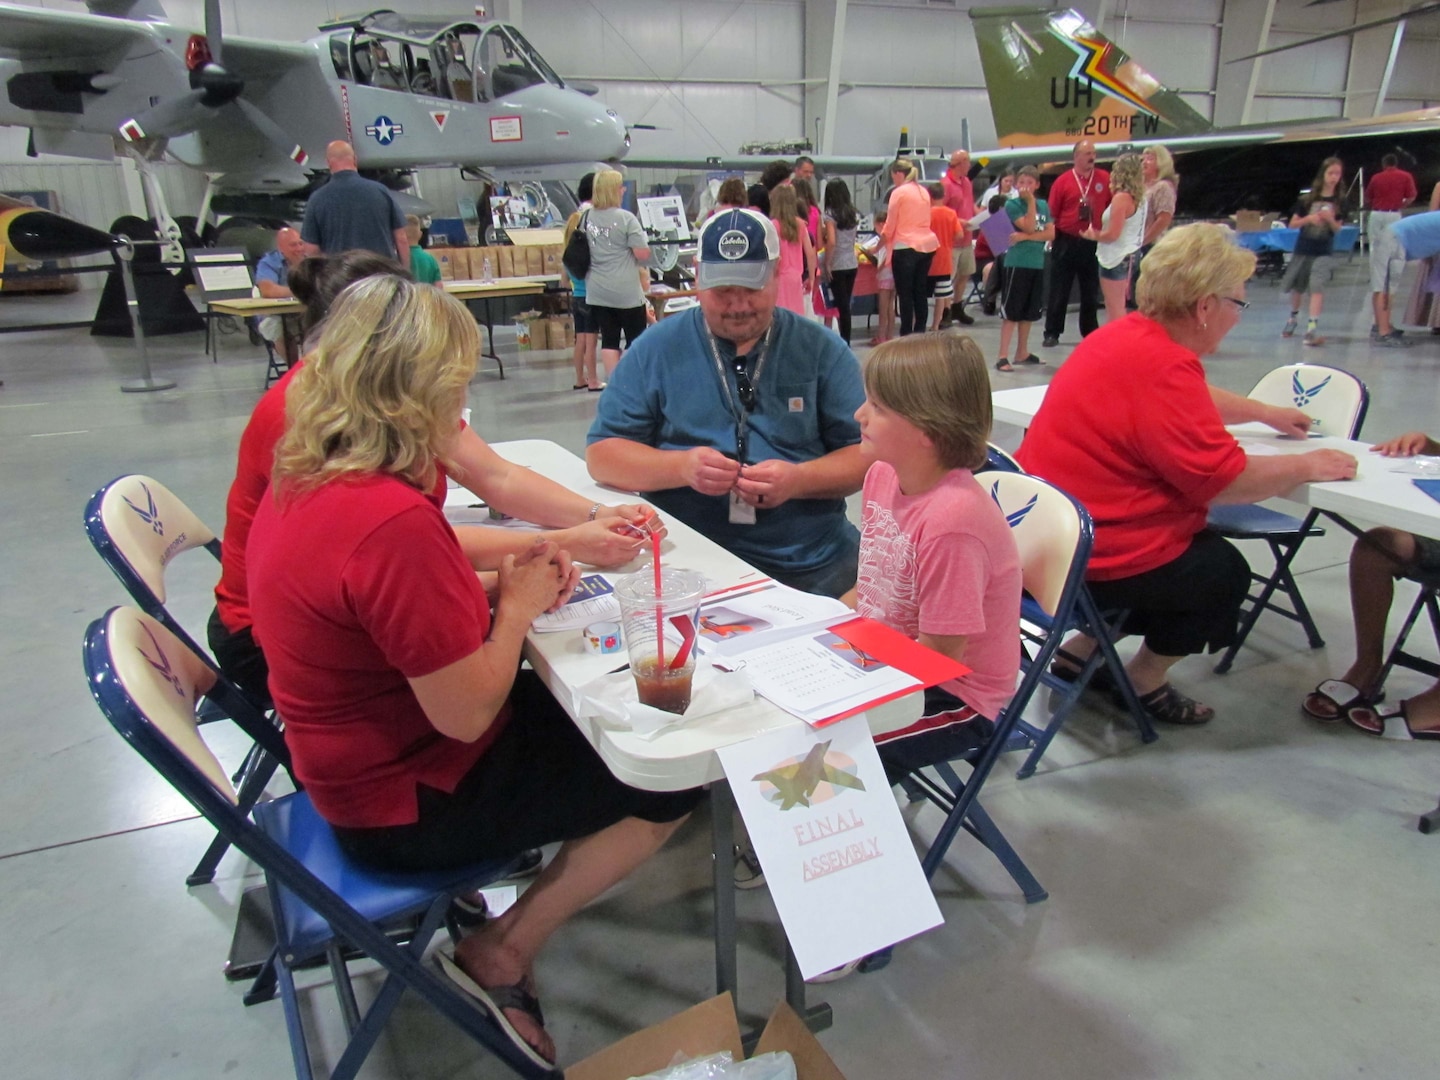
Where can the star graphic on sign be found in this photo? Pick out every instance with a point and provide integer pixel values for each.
(384, 130)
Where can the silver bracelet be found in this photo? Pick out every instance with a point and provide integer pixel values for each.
(593, 511)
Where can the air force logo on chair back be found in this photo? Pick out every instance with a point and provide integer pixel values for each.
(1306, 394)
(150, 515)
(1012, 517)
(163, 664)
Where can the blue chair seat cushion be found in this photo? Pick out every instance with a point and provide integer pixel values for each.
(381, 897)
(1252, 521)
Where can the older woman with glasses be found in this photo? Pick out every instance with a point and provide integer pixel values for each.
(1132, 430)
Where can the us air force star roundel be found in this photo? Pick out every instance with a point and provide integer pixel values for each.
(384, 130)
(734, 245)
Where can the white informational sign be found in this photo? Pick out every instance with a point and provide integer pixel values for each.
(222, 273)
(837, 856)
(505, 129)
(663, 213)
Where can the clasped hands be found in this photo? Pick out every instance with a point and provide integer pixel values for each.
(767, 484)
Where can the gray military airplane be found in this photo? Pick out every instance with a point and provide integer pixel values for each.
(252, 114)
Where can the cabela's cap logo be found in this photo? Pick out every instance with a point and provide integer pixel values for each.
(733, 244)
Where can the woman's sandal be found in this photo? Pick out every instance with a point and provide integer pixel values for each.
(1031, 361)
(1332, 699)
(1168, 706)
(1391, 725)
(494, 1000)
(1004, 365)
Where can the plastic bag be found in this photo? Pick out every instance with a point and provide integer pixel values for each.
(722, 1066)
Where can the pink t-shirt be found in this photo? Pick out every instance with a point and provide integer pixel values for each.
(944, 563)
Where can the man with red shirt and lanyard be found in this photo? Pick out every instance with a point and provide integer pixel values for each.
(1077, 199)
(960, 197)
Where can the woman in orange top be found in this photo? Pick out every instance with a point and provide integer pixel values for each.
(912, 245)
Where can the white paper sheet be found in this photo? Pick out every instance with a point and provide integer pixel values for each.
(838, 859)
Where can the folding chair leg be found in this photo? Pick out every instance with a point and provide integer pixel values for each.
(261, 767)
(263, 988)
(1117, 669)
(987, 833)
(1302, 612)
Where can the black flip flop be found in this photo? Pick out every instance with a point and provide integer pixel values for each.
(1003, 365)
(494, 1001)
(1032, 359)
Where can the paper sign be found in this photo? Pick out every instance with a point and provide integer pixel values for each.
(997, 229)
(837, 856)
(505, 129)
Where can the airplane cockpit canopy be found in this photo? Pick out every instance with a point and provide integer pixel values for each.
(463, 61)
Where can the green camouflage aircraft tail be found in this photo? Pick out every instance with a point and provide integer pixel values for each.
(1053, 78)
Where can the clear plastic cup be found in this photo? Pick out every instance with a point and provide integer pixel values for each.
(660, 634)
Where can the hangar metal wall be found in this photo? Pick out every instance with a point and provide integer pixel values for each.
(712, 74)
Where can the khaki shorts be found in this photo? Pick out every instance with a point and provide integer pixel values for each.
(964, 266)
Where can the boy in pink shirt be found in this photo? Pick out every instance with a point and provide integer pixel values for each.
(937, 561)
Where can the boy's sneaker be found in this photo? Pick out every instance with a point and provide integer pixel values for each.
(1290, 327)
(748, 874)
(1390, 341)
(1314, 338)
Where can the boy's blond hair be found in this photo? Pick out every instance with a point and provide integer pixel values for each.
(940, 383)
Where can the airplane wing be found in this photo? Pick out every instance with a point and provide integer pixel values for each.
(28, 33)
(826, 163)
(252, 59)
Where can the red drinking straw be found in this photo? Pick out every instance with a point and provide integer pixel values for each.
(659, 609)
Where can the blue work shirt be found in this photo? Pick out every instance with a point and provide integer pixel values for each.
(352, 212)
(666, 394)
(273, 268)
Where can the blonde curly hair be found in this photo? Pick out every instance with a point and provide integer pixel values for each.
(383, 391)
(1188, 264)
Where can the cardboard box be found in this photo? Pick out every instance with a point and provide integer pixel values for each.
(1254, 221)
(708, 1028)
(504, 261)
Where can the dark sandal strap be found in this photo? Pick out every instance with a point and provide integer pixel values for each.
(517, 996)
(1169, 706)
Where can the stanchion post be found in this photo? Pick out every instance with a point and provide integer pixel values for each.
(125, 252)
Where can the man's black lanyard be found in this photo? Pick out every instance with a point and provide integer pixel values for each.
(738, 409)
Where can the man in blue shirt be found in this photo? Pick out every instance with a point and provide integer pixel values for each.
(739, 419)
(272, 279)
(1413, 237)
(351, 212)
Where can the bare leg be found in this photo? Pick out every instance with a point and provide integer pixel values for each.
(586, 343)
(1380, 301)
(1022, 342)
(502, 952)
(1372, 590)
(611, 359)
(1149, 670)
(1317, 304)
(885, 304)
(1007, 330)
(1114, 298)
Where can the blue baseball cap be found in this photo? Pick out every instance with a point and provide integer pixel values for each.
(737, 247)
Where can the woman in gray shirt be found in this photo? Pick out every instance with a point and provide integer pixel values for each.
(618, 248)
(840, 264)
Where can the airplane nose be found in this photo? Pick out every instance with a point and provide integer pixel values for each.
(621, 133)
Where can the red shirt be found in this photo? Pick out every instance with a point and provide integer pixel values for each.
(252, 479)
(1128, 428)
(1066, 194)
(359, 586)
(960, 197)
(944, 224)
(1390, 190)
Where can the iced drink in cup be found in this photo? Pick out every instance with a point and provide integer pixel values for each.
(660, 634)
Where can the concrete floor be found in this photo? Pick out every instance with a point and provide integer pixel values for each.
(1243, 899)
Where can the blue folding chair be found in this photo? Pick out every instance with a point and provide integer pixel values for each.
(146, 682)
(1053, 534)
(1038, 628)
(138, 526)
(1337, 402)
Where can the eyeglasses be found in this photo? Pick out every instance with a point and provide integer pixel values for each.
(1241, 304)
(743, 384)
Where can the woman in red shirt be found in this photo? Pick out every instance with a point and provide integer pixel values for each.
(1131, 429)
(406, 716)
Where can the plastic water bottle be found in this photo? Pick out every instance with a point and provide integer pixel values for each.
(487, 273)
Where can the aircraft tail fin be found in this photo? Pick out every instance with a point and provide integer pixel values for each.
(1053, 78)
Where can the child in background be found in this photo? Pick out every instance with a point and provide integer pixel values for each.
(586, 337)
(937, 561)
(797, 256)
(1022, 288)
(945, 224)
(884, 284)
(422, 264)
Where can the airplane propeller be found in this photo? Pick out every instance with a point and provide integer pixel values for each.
(213, 88)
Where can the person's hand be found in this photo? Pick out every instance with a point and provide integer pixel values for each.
(633, 519)
(1089, 234)
(1330, 465)
(1294, 423)
(537, 581)
(708, 471)
(650, 316)
(1018, 237)
(1407, 445)
(606, 543)
(768, 484)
